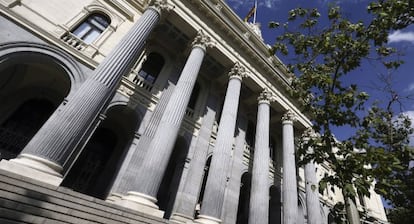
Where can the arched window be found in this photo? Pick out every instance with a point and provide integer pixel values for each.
(275, 215)
(203, 187)
(151, 67)
(244, 198)
(93, 26)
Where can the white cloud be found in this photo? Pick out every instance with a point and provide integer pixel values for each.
(269, 3)
(399, 36)
(410, 88)
(410, 114)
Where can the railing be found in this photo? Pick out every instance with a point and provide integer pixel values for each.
(74, 41)
(141, 82)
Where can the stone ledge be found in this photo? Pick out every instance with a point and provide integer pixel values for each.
(61, 203)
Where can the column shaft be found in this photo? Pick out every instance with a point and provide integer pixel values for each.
(290, 194)
(136, 153)
(60, 135)
(233, 189)
(312, 195)
(186, 199)
(150, 174)
(259, 196)
(216, 182)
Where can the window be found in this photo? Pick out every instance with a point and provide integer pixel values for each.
(93, 26)
(151, 68)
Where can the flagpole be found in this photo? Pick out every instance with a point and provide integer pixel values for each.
(255, 9)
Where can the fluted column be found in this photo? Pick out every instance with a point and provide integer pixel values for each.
(311, 186)
(216, 181)
(137, 151)
(148, 178)
(187, 197)
(290, 194)
(259, 194)
(51, 147)
(233, 188)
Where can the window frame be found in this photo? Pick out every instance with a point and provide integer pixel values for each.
(90, 29)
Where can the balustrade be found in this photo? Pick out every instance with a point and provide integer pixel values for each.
(74, 41)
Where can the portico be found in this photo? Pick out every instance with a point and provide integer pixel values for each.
(216, 97)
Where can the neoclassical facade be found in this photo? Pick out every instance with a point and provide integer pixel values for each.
(164, 111)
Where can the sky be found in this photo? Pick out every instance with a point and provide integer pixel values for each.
(366, 76)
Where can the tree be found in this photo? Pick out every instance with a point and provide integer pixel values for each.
(327, 53)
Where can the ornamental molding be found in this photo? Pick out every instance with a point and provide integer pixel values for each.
(10, 3)
(161, 5)
(202, 40)
(289, 116)
(308, 134)
(266, 97)
(238, 71)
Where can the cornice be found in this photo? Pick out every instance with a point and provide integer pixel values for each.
(254, 49)
(253, 45)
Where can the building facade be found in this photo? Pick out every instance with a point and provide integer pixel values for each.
(170, 108)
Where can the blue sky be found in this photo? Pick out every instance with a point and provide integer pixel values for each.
(367, 75)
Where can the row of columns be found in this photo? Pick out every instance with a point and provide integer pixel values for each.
(66, 127)
(50, 149)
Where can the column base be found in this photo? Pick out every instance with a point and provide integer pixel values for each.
(114, 198)
(181, 218)
(205, 219)
(140, 202)
(35, 168)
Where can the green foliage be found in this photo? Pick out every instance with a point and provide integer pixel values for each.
(325, 55)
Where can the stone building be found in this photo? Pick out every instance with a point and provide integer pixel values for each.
(131, 111)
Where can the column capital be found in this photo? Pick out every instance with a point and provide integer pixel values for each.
(202, 41)
(308, 134)
(160, 5)
(289, 116)
(265, 97)
(238, 71)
